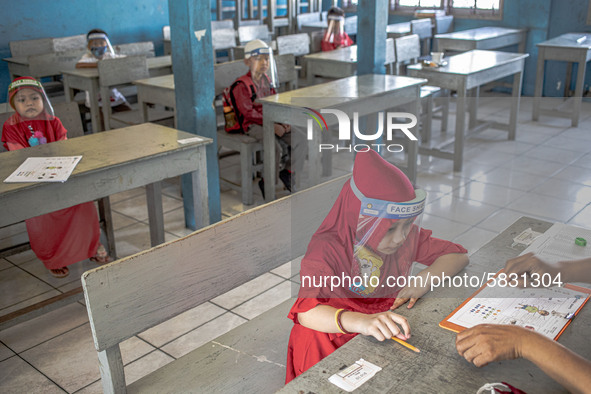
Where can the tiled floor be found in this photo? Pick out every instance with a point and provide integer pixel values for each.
(545, 173)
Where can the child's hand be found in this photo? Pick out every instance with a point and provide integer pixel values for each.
(381, 326)
(409, 293)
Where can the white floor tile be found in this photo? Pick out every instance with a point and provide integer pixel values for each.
(550, 153)
(265, 301)
(511, 178)
(247, 291)
(4, 264)
(566, 190)
(534, 166)
(67, 359)
(290, 269)
(583, 218)
(443, 228)
(203, 334)
(145, 365)
(474, 238)
(17, 285)
(548, 207)
(181, 324)
(5, 352)
(43, 328)
(576, 174)
(459, 209)
(500, 220)
(489, 193)
(16, 377)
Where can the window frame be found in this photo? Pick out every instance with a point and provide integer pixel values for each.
(461, 13)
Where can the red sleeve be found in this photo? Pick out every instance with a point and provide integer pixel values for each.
(10, 133)
(252, 113)
(59, 130)
(430, 248)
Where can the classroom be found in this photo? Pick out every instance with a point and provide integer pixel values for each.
(194, 212)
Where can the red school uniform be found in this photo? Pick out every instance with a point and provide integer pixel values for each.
(62, 237)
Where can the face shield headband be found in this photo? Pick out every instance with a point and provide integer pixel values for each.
(386, 239)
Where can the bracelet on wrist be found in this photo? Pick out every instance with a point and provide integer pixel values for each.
(337, 318)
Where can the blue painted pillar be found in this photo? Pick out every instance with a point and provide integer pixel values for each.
(192, 59)
(371, 36)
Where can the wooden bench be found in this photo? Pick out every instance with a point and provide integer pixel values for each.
(225, 75)
(131, 295)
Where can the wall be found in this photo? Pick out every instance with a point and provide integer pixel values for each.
(124, 21)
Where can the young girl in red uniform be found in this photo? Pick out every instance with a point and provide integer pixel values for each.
(371, 236)
(335, 36)
(66, 236)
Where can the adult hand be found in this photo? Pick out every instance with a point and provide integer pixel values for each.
(486, 343)
(409, 294)
(529, 264)
(381, 326)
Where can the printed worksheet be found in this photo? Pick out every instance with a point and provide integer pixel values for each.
(558, 243)
(44, 169)
(545, 310)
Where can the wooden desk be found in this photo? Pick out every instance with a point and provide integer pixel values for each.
(572, 48)
(481, 38)
(398, 29)
(155, 90)
(366, 94)
(340, 63)
(470, 70)
(350, 26)
(439, 368)
(113, 161)
(87, 79)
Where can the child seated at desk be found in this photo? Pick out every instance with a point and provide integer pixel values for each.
(261, 81)
(335, 36)
(99, 48)
(355, 269)
(66, 236)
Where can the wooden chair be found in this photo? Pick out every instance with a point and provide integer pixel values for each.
(223, 24)
(309, 17)
(444, 24)
(145, 48)
(408, 50)
(31, 47)
(63, 44)
(422, 28)
(117, 72)
(52, 65)
(296, 44)
(249, 33)
(224, 40)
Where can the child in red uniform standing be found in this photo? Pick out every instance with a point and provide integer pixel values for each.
(372, 235)
(66, 236)
(335, 36)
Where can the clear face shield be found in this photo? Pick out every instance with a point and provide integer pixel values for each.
(99, 46)
(263, 63)
(28, 98)
(335, 30)
(386, 243)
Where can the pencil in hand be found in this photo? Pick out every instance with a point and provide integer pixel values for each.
(406, 345)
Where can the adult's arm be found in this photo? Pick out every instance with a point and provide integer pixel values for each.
(486, 343)
(569, 270)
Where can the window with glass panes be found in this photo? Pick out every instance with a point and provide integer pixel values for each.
(461, 8)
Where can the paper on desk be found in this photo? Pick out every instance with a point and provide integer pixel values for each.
(558, 244)
(354, 376)
(44, 169)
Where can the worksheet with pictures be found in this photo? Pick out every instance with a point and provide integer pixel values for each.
(562, 242)
(545, 310)
(44, 169)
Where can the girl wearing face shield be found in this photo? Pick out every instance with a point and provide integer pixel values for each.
(335, 36)
(99, 48)
(371, 235)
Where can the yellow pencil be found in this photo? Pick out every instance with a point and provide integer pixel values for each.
(407, 345)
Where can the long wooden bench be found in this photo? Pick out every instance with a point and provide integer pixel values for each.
(133, 294)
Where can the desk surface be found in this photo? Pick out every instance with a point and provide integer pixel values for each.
(346, 55)
(569, 40)
(163, 81)
(130, 146)
(439, 368)
(350, 90)
(471, 62)
(153, 63)
(480, 33)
